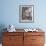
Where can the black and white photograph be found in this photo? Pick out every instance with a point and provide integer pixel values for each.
(26, 13)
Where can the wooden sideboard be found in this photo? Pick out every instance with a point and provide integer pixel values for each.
(23, 39)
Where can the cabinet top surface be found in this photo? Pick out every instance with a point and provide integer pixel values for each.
(22, 30)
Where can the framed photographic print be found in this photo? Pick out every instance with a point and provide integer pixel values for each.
(26, 13)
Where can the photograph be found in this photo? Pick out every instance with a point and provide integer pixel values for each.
(26, 13)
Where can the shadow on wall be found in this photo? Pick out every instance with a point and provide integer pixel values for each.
(2, 26)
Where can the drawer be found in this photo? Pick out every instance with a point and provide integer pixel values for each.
(34, 39)
(37, 39)
(27, 40)
(8, 39)
(13, 41)
(12, 44)
(27, 37)
(18, 44)
(34, 33)
(13, 33)
(37, 44)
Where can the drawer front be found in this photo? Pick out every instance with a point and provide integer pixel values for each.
(34, 33)
(27, 41)
(12, 44)
(37, 39)
(5, 40)
(13, 33)
(12, 39)
(8, 44)
(33, 40)
(37, 44)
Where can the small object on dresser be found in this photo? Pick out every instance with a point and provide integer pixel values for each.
(31, 30)
(11, 28)
(27, 30)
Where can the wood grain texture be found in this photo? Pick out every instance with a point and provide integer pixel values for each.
(23, 39)
(12, 39)
(34, 39)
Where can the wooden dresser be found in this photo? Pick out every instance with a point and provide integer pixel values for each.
(23, 39)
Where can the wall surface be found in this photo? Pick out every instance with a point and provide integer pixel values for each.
(10, 13)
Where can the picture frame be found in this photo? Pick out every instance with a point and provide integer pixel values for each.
(26, 13)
